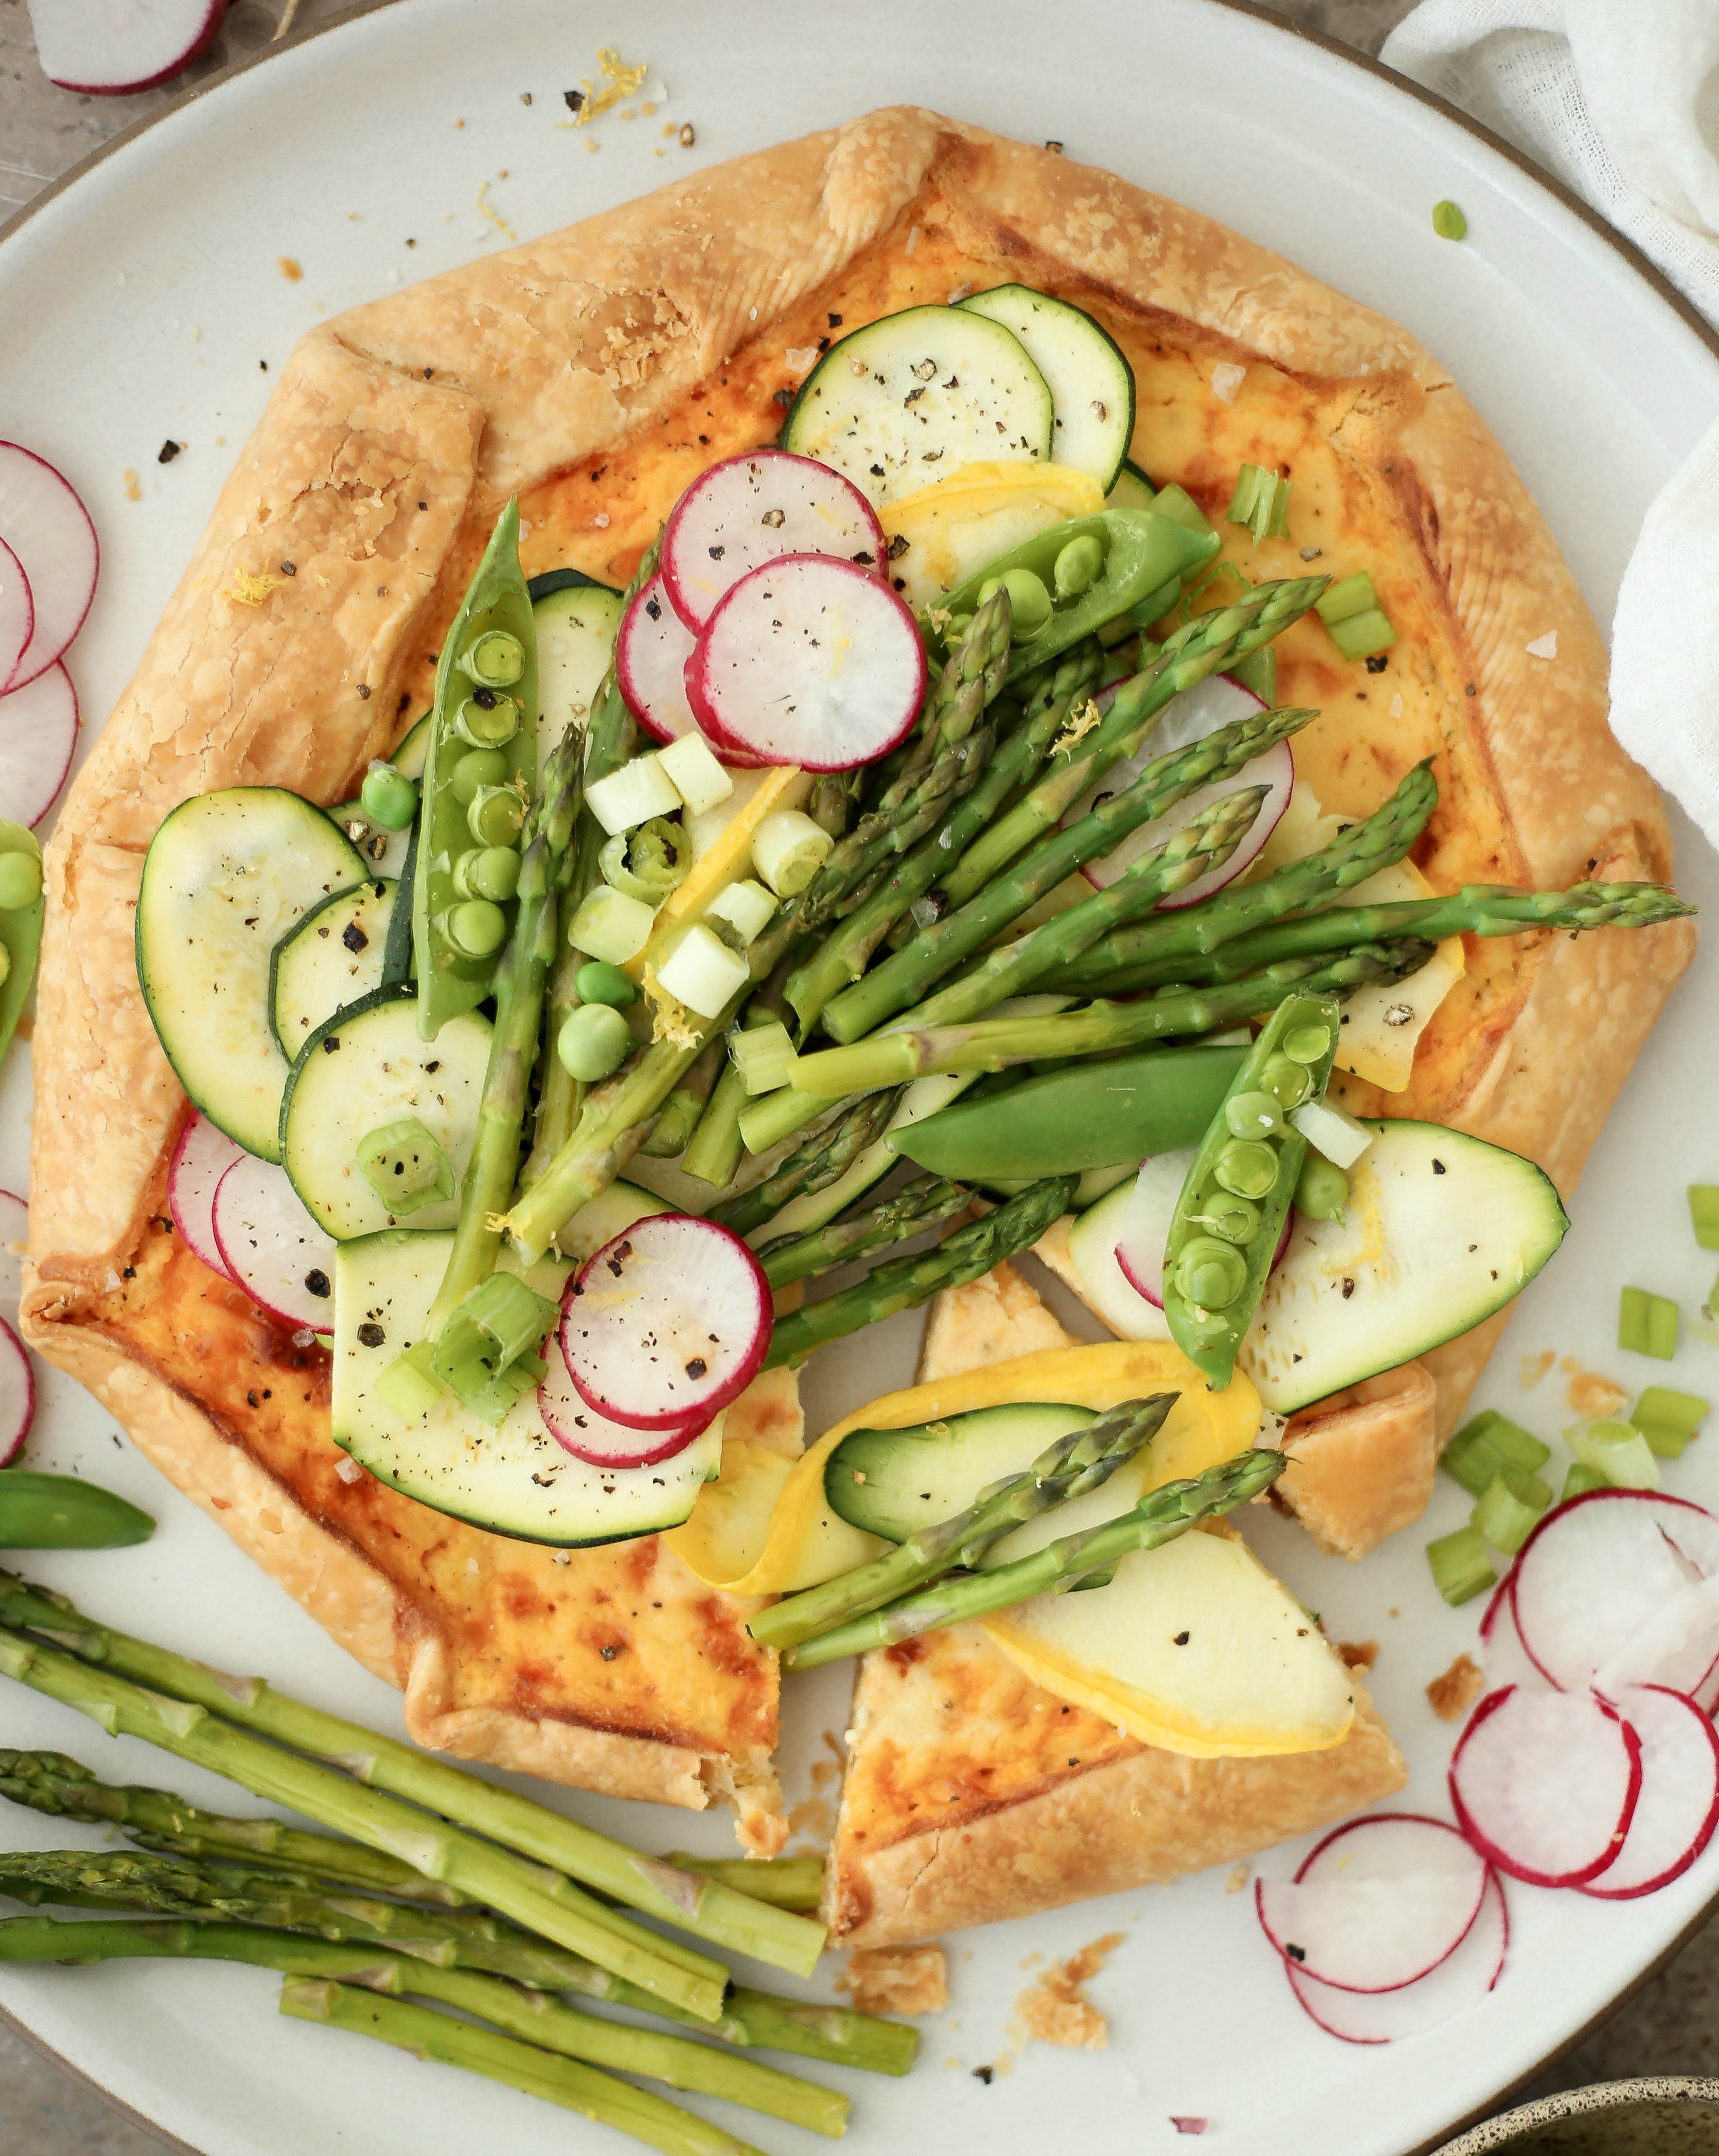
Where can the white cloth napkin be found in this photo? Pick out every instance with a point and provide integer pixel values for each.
(1619, 99)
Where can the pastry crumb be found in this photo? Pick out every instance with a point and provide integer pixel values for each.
(1227, 378)
(1236, 1880)
(1455, 1693)
(1359, 1654)
(1591, 1395)
(1056, 2010)
(133, 492)
(289, 269)
(895, 1980)
(1531, 1369)
(1186, 2125)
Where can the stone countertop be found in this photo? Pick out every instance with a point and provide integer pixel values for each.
(1671, 2026)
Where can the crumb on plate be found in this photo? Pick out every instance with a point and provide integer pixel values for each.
(1455, 1693)
(897, 1979)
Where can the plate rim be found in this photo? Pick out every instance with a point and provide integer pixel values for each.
(1628, 253)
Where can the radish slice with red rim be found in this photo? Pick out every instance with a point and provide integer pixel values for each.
(1145, 1225)
(1679, 1804)
(1595, 1570)
(1377, 1904)
(18, 612)
(651, 649)
(755, 508)
(809, 660)
(1677, 1648)
(1502, 1654)
(18, 1394)
(272, 1248)
(14, 1235)
(201, 1159)
(39, 735)
(115, 47)
(667, 1323)
(578, 1428)
(1545, 1783)
(48, 528)
(1461, 1980)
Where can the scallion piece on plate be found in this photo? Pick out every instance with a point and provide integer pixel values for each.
(1359, 625)
(1704, 1214)
(1647, 1324)
(1664, 1412)
(1488, 1443)
(1261, 502)
(1616, 1451)
(1461, 1568)
(1579, 1481)
(1509, 1509)
(764, 1056)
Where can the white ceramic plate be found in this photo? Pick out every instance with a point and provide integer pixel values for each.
(135, 304)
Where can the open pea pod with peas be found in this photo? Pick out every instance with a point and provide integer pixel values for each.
(20, 923)
(1224, 1232)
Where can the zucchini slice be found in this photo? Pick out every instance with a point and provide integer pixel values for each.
(1131, 489)
(575, 625)
(332, 958)
(1091, 383)
(891, 1482)
(514, 1481)
(226, 876)
(361, 1071)
(912, 397)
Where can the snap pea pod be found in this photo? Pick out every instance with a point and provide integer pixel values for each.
(1143, 554)
(21, 904)
(1224, 1231)
(62, 1511)
(480, 772)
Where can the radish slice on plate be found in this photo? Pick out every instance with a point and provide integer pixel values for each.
(651, 649)
(113, 48)
(578, 1428)
(667, 1323)
(1545, 1783)
(1679, 1803)
(271, 1246)
(755, 508)
(809, 660)
(1595, 1570)
(18, 1394)
(201, 1159)
(18, 612)
(48, 528)
(1145, 1225)
(14, 1234)
(1461, 1980)
(1377, 1904)
(1502, 1654)
(1677, 1648)
(39, 733)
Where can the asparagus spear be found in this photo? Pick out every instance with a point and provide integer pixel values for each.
(825, 1158)
(652, 2119)
(710, 1909)
(923, 1203)
(1085, 1459)
(889, 1058)
(901, 980)
(787, 1882)
(1478, 909)
(1159, 1518)
(684, 1108)
(904, 1283)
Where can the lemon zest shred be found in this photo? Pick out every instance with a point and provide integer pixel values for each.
(485, 208)
(622, 80)
(1079, 725)
(671, 1022)
(252, 587)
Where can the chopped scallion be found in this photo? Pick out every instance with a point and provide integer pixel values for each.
(409, 1385)
(1509, 1509)
(1180, 508)
(1581, 1479)
(702, 973)
(1647, 1324)
(1350, 610)
(1704, 1214)
(610, 926)
(1488, 1444)
(1461, 1568)
(1261, 502)
(764, 1056)
(1660, 1408)
(1617, 1450)
(1347, 596)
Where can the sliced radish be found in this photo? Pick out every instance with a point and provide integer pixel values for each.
(1679, 1803)
(755, 508)
(1595, 1570)
(1506, 1659)
(14, 1235)
(651, 649)
(270, 1246)
(809, 660)
(18, 612)
(39, 734)
(201, 1159)
(1377, 1904)
(1545, 1783)
(1461, 1980)
(48, 528)
(1678, 1647)
(113, 47)
(18, 1394)
(1145, 1225)
(579, 1430)
(667, 1323)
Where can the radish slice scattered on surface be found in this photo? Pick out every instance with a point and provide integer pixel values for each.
(48, 528)
(14, 1233)
(18, 1394)
(809, 660)
(1679, 1804)
(1595, 1571)
(201, 1159)
(1502, 1654)
(18, 612)
(1678, 1647)
(755, 508)
(1461, 1980)
(579, 1430)
(667, 1323)
(1377, 1904)
(651, 649)
(39, 733)
(1545, 1784)
(1145, 1225)
(113, 48)
(271, 1246)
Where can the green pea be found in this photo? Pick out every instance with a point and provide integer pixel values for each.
(480, 767)
(388, 797)
(1248, 1167)
(496, 661)
(1287, 1082)
(490, 872)
(1253, 1115)
(1211, 1274)
(1449, 221)
(1305, 1044)
(1029, 602)
(594, 1040)
(1234, 1219)
(487, 719)
(601, 983)
(1321, 1189)
(495, 816)
(476, 929)
(1077, 566)
(20, 882)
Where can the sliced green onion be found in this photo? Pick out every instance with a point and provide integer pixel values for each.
(1617, 1450)
(1332, 1131)
(702, 971)
(1647, 1324)
(610, 926)
(1180, 508)
(1581, 1479)
(486, 1355)
(698, 778)
(647, 863)
(745, 906)
(787, 849)
(634, 794)
(409, 1385)
(1488, 1444)
(764, 1056)
(1660, 1408)
(1461, 1568)
(1703, 1213)
(1364, 635)
(1664, 1444)
(406, 1167)
(1347, 596)
(1509, 1509)
(1261, 502)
